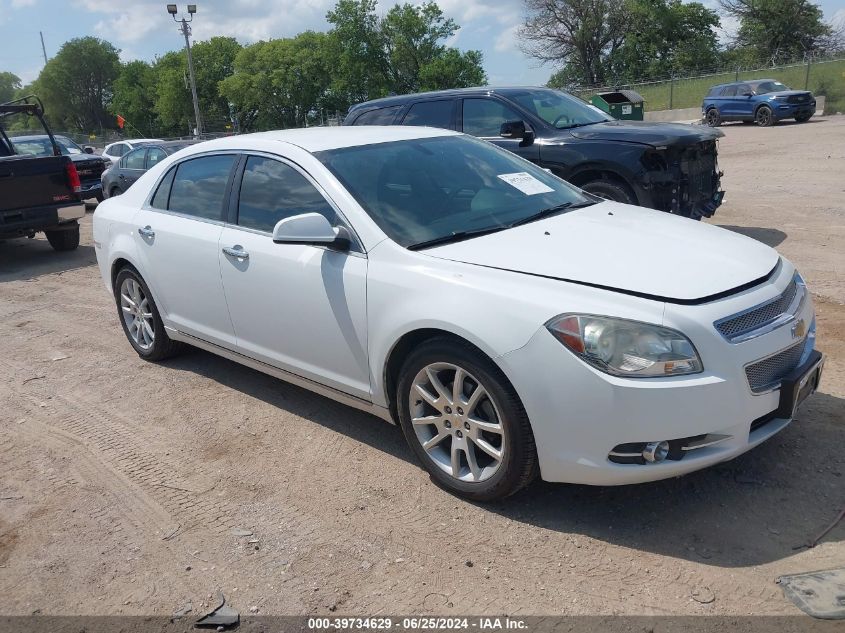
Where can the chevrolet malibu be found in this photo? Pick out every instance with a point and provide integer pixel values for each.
(510, 323)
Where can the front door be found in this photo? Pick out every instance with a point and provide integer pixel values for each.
(483, 117)
(178, 241)
(299, 307)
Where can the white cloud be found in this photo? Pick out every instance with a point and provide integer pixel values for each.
(507, 39)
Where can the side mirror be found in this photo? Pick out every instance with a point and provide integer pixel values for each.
(517, 129)
(88, 149)
(310, 228)
(747, 94)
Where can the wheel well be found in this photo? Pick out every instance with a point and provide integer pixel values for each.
(762, 105)
(116, 267)
(583, 177)
(407, 343)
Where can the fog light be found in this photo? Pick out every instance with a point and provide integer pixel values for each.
(656, 451)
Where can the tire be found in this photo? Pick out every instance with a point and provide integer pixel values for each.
(480, 476)
(803, 118)
(713, 118)
(610, 190)
(764, 117)
(100, 197)
(153, 348)
(64, 239)
(115, 191)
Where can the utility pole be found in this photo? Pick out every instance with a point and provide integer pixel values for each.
(185, 28)
(43, 48)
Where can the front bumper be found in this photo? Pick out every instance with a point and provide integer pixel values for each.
(579, 415)
(791, 110)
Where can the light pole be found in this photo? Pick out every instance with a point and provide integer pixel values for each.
(186, 31)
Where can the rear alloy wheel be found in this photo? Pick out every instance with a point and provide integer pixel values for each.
(713, 118)
(764, 117)
(609, 190)
(464, 422)
(140, 319)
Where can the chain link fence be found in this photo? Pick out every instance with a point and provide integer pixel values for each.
(824, 76)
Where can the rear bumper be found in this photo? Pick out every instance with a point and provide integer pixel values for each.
(21, 222)
(90, 190)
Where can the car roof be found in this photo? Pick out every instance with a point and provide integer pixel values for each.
(743, 81)
(454, 92)
(316, 139)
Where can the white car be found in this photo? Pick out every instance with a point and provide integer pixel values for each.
(114, 151)
(510, 323)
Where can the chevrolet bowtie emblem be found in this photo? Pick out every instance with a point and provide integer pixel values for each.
(799, 329)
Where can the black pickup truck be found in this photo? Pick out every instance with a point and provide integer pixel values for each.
(37, 193)
(667, 166)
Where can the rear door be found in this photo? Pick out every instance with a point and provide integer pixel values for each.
(438, 113)
(728, 106)
(483, 117)
(178, 235)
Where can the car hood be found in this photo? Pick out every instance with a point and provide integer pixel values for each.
(787, 93)
(624, 248)
(647, 133)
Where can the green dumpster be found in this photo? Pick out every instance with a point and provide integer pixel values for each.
(620, 104)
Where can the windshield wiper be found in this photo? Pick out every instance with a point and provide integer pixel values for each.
(457, 237)
(574, 125)
(544, 213)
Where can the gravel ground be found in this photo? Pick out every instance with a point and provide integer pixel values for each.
(133, 488)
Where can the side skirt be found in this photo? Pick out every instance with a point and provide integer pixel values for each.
(281, 374)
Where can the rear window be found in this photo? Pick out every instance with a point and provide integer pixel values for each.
(380, 116)
(199, 186)
(431, 114)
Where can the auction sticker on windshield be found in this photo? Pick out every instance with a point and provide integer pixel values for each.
(526, 183)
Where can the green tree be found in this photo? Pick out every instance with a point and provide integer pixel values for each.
(665, 37)
(9, 86)
(134, 98)
(214, 60)
(777, 30)
(76, 84)
(453, 69)
(280, 83)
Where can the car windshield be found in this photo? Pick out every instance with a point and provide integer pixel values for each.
(447, 188)
(557, 108)
(41, 146)
(765, 87)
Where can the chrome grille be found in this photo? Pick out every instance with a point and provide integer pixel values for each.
(767, 373)
(757, 317)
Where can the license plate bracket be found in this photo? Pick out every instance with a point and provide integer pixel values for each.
(799, 385)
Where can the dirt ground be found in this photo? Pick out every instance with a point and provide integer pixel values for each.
(124, 483)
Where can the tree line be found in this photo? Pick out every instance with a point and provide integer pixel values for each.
(298, 81)
(603, 42)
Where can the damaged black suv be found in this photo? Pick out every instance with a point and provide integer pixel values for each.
(667, 166)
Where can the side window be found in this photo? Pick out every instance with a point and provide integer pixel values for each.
(134, 159)
(729, 91)
(155, 155)
(199, 186)
(382, 116)
(272, 190)
(484, 117)
(431, 113)
(743, 89)
(159, 200)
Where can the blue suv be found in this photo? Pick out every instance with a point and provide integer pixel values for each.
(762, 101)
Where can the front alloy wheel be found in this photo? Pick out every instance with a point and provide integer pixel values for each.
(456, 422)
(764, 117)
(464, 421)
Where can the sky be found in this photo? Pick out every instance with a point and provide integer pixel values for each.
(142, 29)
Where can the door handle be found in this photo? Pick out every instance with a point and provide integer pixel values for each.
(146, 232)
(236, 252)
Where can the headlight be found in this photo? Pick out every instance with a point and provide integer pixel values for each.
(626, 348)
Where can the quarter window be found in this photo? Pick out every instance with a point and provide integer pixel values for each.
(272, 190)
(381, 116)
(730, 91)
(430, 113)
(162, 194)
(484, 117)
(199, 186)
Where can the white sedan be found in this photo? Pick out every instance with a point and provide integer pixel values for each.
(510, 323)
